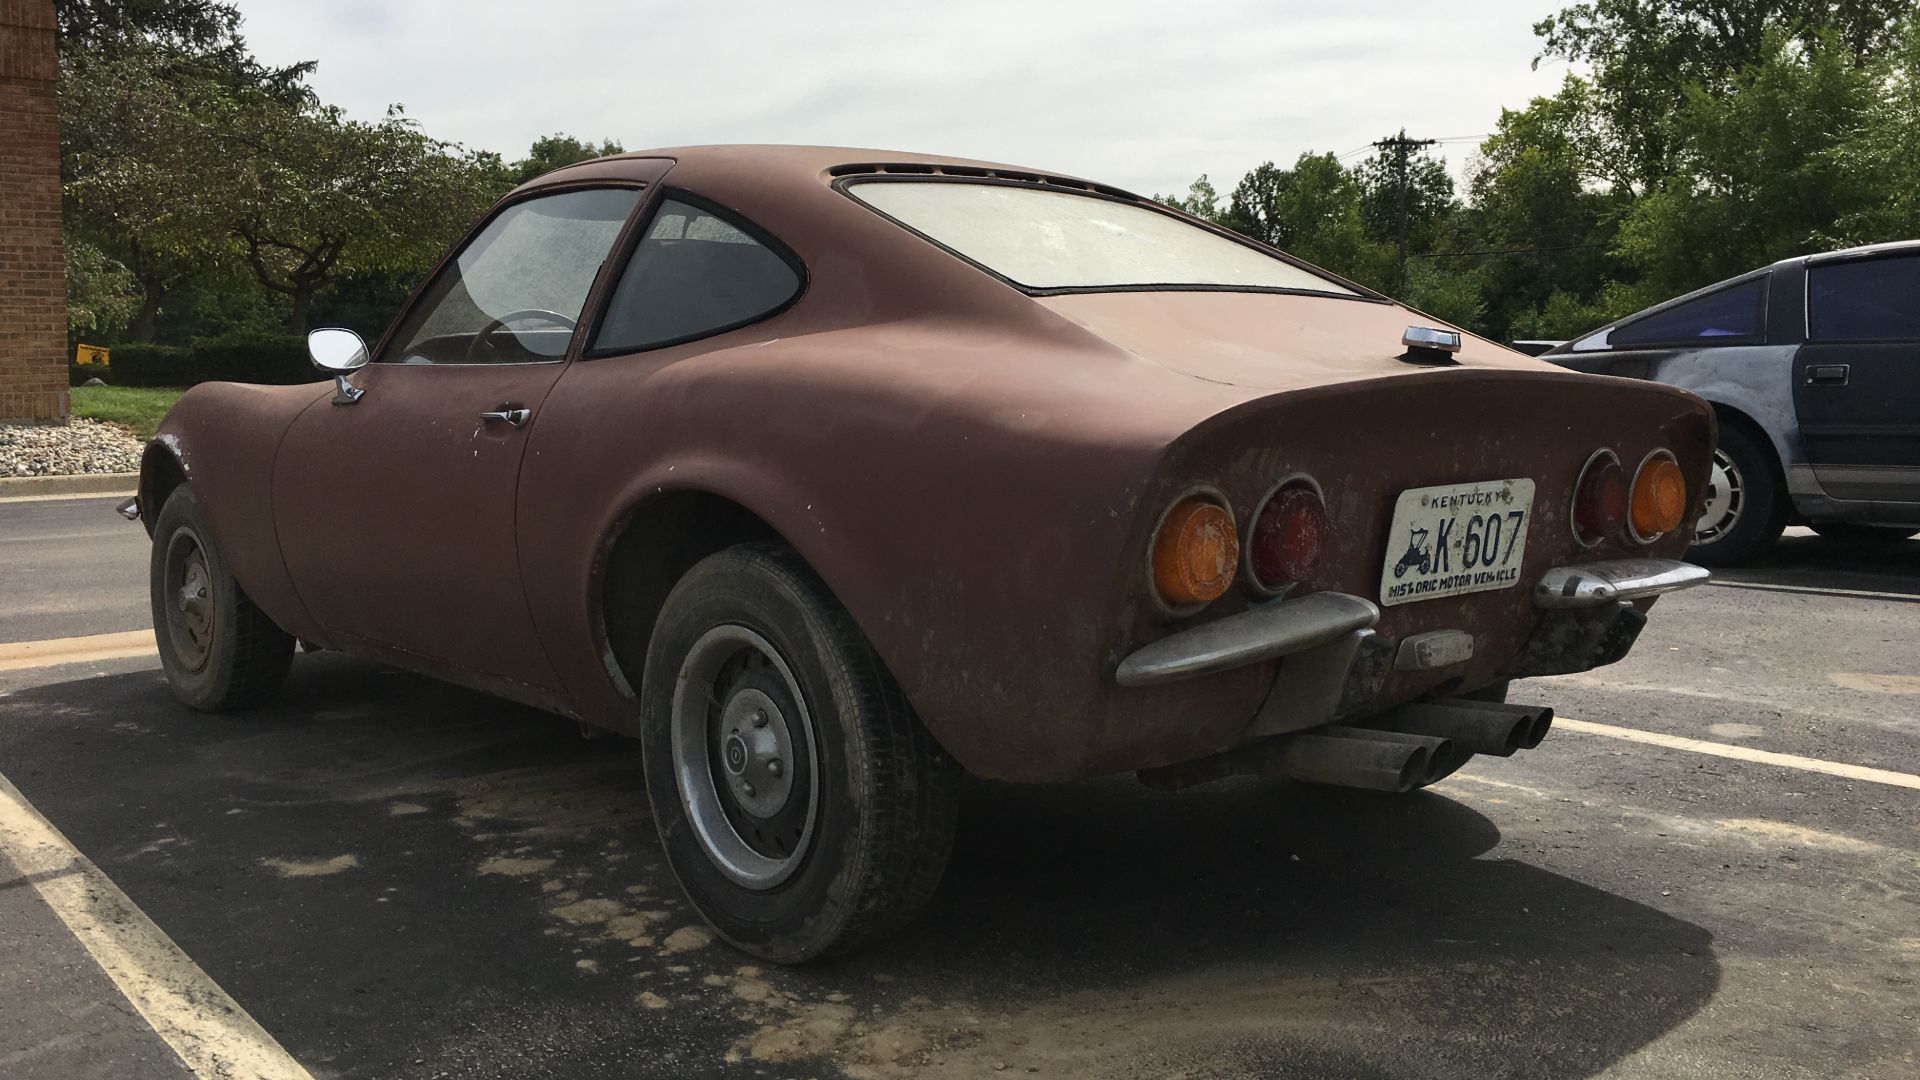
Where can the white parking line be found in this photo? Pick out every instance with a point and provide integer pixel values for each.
(210, 1032)
(1816, 590)
(1741, 753)
(76, 650)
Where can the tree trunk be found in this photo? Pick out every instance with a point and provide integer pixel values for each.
(144, 319)
(302, 301)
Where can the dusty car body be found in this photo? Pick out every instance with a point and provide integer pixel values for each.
(1812, 366)
(979, 473)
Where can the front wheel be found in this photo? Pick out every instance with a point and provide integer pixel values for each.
(802, 805)
(218, 650)
(1744, 509)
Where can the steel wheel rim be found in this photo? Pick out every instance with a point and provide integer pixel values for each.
(1726, 498)
(745, 757)
(191, 614)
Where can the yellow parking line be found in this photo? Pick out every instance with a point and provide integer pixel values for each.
(1741, 753)
(75, 650)
(63, 497)
(211, 1033)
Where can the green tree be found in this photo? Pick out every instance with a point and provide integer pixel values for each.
(556, 151)
(1201, 200)
(312, 195)
(1539, 195)
(1763, 169)
(1886, 153)
(137, 160)
(101, 295)
(1311, 211)
(1646, 55)
(1429, 197)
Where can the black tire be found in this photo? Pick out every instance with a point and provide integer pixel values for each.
(857, 833)
(1759, 505)
(1849, 532)
(224, 654)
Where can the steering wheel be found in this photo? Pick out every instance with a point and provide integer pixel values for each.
(500, 323)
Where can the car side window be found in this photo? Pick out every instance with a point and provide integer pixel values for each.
(1734, 315)
(694, 274)
(514, 293)
(1864, 300)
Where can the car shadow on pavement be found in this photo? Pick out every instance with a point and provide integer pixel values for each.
(401, 878)
(1803, 561)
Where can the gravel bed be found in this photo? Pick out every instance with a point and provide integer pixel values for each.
(78, 446)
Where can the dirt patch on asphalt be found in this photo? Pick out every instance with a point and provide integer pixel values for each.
(1797, 835)
(305, 868)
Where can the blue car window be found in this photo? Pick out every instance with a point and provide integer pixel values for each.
(1736, 314)
(1865, 300)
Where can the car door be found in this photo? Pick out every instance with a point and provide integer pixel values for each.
(1856, 385)
(395, 512)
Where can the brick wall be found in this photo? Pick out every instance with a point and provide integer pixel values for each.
(33, 291)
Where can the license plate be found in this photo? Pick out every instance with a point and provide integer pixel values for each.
(1456, 538)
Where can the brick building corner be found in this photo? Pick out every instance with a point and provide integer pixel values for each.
(33, 283)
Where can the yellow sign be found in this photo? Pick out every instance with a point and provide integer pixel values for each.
(92, 354)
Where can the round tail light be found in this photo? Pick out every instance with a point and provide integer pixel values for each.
(1289, 533)
(1599, 498)
(1659, 497)
(1195, 553)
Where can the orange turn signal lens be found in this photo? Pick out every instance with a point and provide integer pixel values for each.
(1196, 553)
(1659, 497)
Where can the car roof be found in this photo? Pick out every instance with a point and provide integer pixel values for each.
(1864, 251)
(799, 162)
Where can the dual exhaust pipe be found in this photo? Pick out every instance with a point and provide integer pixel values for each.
(1398, 750)
(1415, 744)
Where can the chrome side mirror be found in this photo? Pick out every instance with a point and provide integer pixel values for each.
(340, 353)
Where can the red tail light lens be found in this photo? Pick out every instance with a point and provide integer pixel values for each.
(1287, 537)
(1599, 498)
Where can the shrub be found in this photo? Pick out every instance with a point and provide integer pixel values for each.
(251, 358)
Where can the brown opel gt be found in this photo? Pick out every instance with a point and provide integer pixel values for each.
(832, 474)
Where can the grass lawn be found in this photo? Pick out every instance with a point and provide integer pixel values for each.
(138, 407)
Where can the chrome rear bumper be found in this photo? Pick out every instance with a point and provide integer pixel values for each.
(1317, 619)
(1590, 584)
(1251, 637)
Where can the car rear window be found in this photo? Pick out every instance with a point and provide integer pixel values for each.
(1733, 315)
(1046, 238)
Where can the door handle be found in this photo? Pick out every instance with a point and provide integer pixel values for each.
(517, 417)
(1827, 374)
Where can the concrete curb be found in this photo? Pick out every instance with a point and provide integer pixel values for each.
(81, 484)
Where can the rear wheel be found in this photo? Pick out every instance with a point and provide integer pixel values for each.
(1744, 509)
(218, 650)
(802, 805)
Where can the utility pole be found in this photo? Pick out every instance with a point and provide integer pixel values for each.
(1402, 146)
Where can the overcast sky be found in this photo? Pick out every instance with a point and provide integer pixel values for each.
(1145, 96)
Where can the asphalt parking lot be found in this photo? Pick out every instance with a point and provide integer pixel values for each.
(389, 877)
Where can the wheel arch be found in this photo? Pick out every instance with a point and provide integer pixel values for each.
(1732, 416)
(648, 550)
(161, 471)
